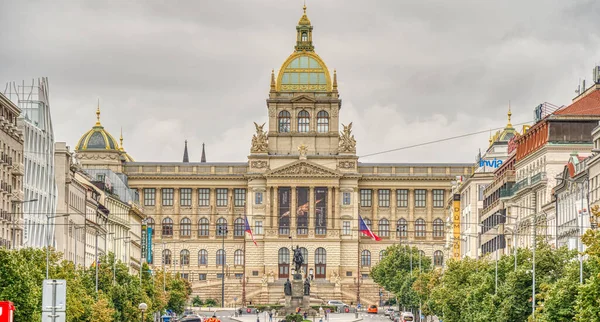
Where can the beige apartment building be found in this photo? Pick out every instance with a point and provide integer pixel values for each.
(302, 186)
(11, 175)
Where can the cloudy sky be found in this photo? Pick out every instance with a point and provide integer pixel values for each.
(408, 71)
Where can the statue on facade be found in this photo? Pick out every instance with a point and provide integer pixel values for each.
(303, 150)
(259, 140)
(287, 288)
(347, 141)
(307, 287)
(298, 259)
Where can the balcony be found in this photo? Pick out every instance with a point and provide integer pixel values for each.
(17, 196)
(18, 169)
(538, 177)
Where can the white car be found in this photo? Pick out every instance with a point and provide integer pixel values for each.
(389, 312)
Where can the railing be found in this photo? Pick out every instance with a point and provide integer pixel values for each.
(538, 177)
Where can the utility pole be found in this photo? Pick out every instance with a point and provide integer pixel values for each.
(96, 263)
(223, 232)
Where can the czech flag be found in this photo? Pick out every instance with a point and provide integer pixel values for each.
(363, 228)
(249, 230)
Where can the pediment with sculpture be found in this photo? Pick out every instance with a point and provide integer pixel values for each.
(303, 168)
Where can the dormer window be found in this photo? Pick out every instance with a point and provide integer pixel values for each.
(304, 36)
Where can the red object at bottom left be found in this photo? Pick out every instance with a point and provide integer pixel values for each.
(6, 311)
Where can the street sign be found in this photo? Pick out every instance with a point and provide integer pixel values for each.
(54, 300)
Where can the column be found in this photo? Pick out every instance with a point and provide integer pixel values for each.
(311, 212)
(393, 206)
(330, 217)
(429, 215)
(337, 215)
(176, 203)
(375, 211)
(410, 234)
(274, 216)
(231, 207)
(293, 207)
(213, 207)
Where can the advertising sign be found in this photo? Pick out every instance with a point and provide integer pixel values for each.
(321, 210)
(284, 209)
(456, 226)
(149, 245)
(302, 211)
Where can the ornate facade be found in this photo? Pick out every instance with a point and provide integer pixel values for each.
(302, 185)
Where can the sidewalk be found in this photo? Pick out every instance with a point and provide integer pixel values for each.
(340, 317)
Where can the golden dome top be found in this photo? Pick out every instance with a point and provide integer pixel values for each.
(304, 21)
(97, 138)
(124, 154)
(304, 72)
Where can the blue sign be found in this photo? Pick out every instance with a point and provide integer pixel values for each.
(490, 163)
(149, 245)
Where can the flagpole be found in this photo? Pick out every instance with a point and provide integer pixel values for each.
(358, 261)
(244, 275)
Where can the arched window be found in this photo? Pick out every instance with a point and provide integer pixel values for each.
(365, 258)
(283, 260)
(284, 121)
(238, 227)
(303, 121)
(220, 257)
(322, 122)
(320, 256)
(167, 227)
(401, 228)
(367, 222)
(150, 224)
(185, 227)
(420, 228)
(238, 257)
(304, 36)
(202, 257)
(438, 258)
(167, 257)
(438, 228)
(203, 227)
(381, 254)
(421, 253)
(222, 227)
(384, 228)
(184, 257)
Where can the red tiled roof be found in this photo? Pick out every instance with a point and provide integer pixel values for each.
(587, 105)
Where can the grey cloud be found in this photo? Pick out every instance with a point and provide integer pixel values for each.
(409, 71)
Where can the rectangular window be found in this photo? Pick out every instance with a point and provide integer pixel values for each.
(402, 198)
(347, 198)
(219, 275)
(349, 273)
(239, 276)
(384, 198)
(202, 276)
(149, 197)
(321, 210)
(203, 197)
(254, 273)
(167, 196)
(438, 198)
(258, 198)
(221, 197)
(185, 197)
(239, 197)
(346, 230)
(420, 198)
(258, 227)
(185, 276)
(366, 197)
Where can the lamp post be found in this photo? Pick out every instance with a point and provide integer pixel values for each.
(48, 242)
(12, 217)
(533, 257)
(222, 231)
(143, 307)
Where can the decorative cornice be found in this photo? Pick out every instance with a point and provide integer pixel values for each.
(303, 168)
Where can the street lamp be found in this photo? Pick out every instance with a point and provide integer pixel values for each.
(143, 307)
(222, 231)
(14, 241)
(48, 242)
(533, 258)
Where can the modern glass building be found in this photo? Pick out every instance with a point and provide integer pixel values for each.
(39, 206)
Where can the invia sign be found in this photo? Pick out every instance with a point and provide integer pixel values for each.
(490, 163)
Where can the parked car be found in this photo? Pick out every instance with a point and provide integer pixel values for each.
(389, 312)
(340, 306)
(406, 317)
(396, 316)
(372, 309)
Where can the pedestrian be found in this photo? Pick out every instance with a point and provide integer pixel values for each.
(270, 316)
(305, 315)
